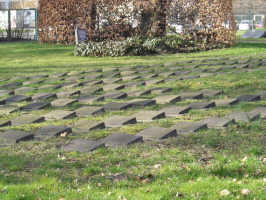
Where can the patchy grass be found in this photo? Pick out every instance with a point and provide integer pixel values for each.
(195, 166)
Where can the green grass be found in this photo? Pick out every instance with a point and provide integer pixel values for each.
(196, 166)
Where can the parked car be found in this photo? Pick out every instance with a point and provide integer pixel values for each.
(244, 25)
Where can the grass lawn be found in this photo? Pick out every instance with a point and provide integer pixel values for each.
(195, 166)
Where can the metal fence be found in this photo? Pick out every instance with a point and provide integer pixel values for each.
(18, 24)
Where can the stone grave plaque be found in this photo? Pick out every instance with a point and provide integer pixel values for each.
(110, 87)
(112, 80)
(186, 127)
(130, 78)
(142, 102)
(43, 96)
(115, 95)
(157, 133)
(218, 123)
(5, 110)
(116, 106)
(83, 146)
(89, 110)
(90, 99)
(4, 123)
(167, 99)
(211, 93)
(160, 90)
(10, 85)
(134, 84)
(90, 90)
(50, 87)
(23, 90)
(48, 132)
(128, 73)
(118, 121)
(5, 93)
(81, 35)
(63, 102)
(175, 111)
(225, 102)
(85, 125)
(202, 105)
(17, 98)
(35, 106)
(139, 93)
(243, 116)
(148, 116)
(121, 139)
(33, 82)
(248, 97)
(154, 82)
(59, 115)
(12, 137)
(261, 111)
(65, 94)
(191, 95)
(27, 119)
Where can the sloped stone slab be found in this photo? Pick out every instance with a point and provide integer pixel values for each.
(160, 90)
(189, 127)
(35, 106)
(12, 137)
(211, 93)
(254, 34)
(191, 95)
(92, 83)
(33, 82)
(27, 119)
(5, 110)
(17, 98)
(63, 102)
(48, 132)
(90, 99)
(110, 87)
(167, 99)
(83, 146)
(118, 121)
(44, 96)
(225, 102)
(23, 90)
(175, 111)
(11, 85)
(121, 139)
(59, 115)
(115, 95)
(70, 93)
(154, 82)
(90, 110)
(85, 125)
(148, 116)
(142, 102)
(116, 106)
(130, 78)
(111, 80)
(261, 111)
(4, 123)
(157, 133)
(248, 97)
(139, 93)
(6, 92)
(218, 123)
(202, 105)
(243, 116)
(128, 73)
